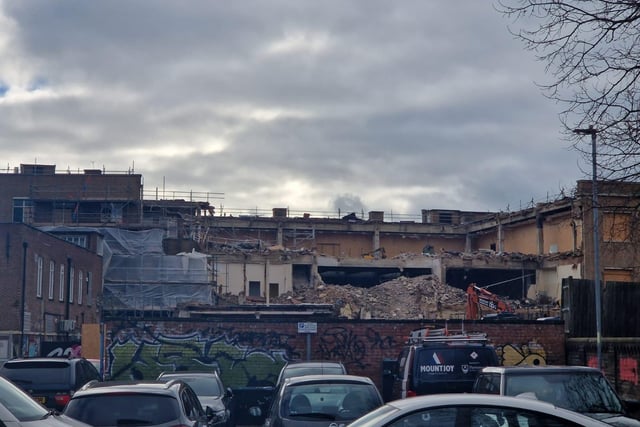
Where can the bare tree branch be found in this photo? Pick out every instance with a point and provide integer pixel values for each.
(592, 55)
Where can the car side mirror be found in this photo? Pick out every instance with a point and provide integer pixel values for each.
(228, 392)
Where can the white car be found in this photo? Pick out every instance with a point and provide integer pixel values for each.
(466, 409)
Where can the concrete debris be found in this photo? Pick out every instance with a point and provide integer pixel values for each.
(422, 297)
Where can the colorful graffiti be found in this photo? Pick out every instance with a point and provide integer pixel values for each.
(531, 353)
(242, 358)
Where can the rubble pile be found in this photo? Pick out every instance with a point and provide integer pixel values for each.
(422, 297)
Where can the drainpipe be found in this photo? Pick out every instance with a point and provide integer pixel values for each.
(22, 296)
(66, 304)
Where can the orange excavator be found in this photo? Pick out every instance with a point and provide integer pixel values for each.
(478, 297)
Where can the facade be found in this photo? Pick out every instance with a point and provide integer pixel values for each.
(50, 287)
(39, 195)
(521, 254)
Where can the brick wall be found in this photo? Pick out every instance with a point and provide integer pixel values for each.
(250, 352)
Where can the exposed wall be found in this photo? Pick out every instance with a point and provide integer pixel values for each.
(234, 278)
(343, 245)
(563, 234)
(522, 239)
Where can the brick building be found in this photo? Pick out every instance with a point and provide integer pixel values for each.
(50, 287)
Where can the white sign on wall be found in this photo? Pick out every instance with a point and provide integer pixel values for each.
(307, 328)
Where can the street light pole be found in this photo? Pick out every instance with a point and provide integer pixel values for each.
(596, 240)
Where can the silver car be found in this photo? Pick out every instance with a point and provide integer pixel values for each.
(466, 409)
(322, 401)
(18, 409)
(576, 388)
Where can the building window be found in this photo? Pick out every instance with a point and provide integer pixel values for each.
(274, 290)
(80, 287)
(77, 240)
(39, 277)
(71, 280)
(445, 218)
(22, 210)
(616, 227)
(52, 278)
(61, 291)
(89, 288)
(254, 289)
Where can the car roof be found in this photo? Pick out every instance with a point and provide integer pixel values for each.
(478, 399)
(533, 370)
(332, 378)
(40, 359)
(312, 363)
(182, 374)
(145, 386)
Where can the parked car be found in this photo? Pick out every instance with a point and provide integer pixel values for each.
(318, 367)
(49, 380)
(577, 388)
(138, 403)
(442, 364)
(467, 409)
(322, 400)
(18, 409)
(210, 391)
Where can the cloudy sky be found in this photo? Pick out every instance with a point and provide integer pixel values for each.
(361, 105)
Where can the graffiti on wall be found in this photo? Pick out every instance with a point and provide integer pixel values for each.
(531, 353)
(346, 345)
(243, 358)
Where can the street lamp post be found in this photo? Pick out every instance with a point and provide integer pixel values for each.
(596, 239)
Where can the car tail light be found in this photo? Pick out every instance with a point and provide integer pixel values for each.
(411, 393)
(62, 398)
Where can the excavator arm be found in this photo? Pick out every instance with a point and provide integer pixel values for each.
(479, 298)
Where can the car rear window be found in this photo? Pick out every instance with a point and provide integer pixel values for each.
(42, 373)
(312, 370)
(340, 401)
(203, 386)
(102, 410)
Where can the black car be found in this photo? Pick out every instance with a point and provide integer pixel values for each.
(138, 403)
(322, 400)
(50, 381)
(210, 391)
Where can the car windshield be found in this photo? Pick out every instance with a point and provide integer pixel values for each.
(100, 410)
(579, 392)
(331, 401)
(41, 373)
(203, 386)
(21, 405)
